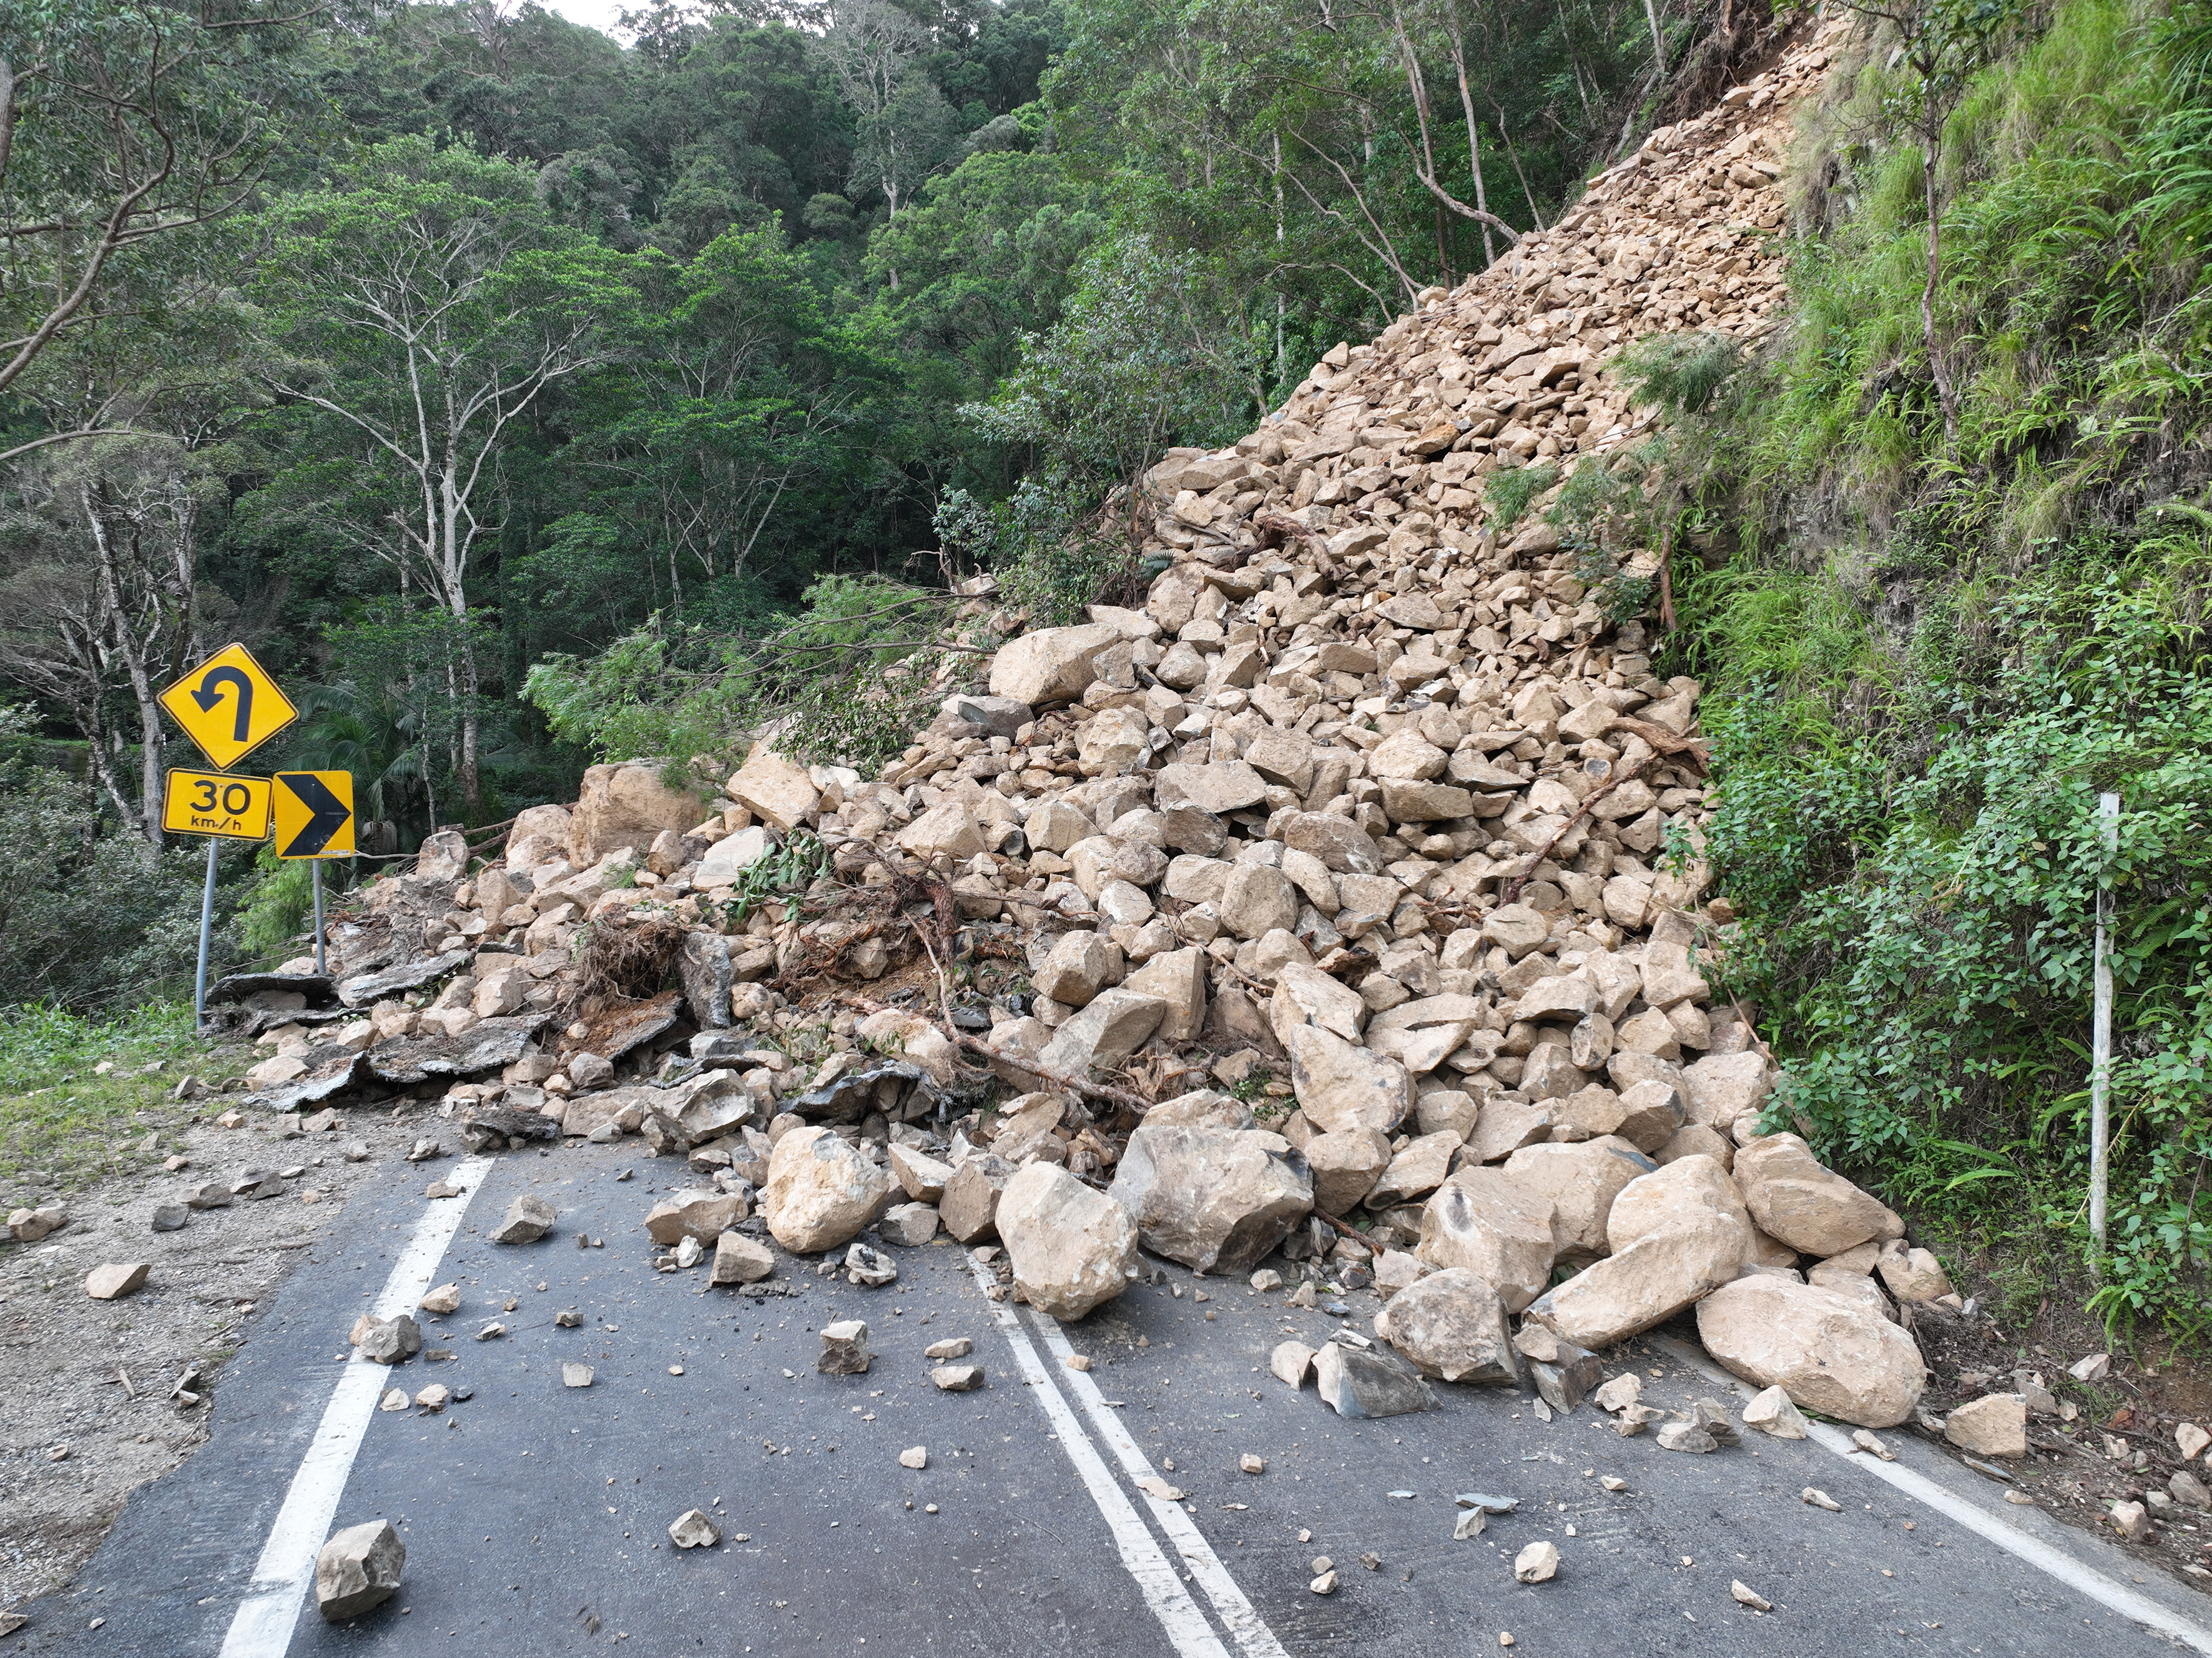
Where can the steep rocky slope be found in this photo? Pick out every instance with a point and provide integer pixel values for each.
(1373, 792)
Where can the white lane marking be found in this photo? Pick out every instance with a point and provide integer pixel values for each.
(262, 1625)
(1186, 1625)
(1245, 1625)
(2054, 1562)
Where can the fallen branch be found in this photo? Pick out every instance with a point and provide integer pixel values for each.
(975, 1045)
(1594, 796)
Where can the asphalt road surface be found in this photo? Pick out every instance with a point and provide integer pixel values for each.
(536, 1515)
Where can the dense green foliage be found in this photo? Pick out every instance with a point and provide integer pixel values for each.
(1926, 655)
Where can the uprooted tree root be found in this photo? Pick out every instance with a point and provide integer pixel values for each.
(915, 908)
(632, 962)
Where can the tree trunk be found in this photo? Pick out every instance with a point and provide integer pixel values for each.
(1473, 148)
(127, 645)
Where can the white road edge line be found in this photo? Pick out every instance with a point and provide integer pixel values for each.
(1246, 1626)
(1186, 1625)
(262, 1625)
(2084, 1579)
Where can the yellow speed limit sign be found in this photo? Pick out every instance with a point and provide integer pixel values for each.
(216, 803)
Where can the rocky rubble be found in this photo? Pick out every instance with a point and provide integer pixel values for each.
(1374, 812)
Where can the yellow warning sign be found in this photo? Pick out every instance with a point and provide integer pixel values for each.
(216, 803)
(315, 814)
(229, 705)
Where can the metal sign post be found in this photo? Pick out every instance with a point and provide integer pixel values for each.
(318, 868)
(207, 912)
(2101, 1031)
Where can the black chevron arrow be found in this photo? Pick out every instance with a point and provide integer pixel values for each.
(330, 813)
(207, 696)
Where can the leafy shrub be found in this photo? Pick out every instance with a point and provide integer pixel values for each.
(91, 917)
(1509, 493)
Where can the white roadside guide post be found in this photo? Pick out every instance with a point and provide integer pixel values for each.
(2100, 1030)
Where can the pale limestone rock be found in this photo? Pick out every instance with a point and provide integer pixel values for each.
(1829, 1353)
(844, 1348)
(1200, 1108)
(1647, 1282)
(1345, 1166)
(731, 857)
(1177, 978)
(1503, 1126)
(1452, 1326)
(1072, 1249)
(528, 1218)
(1217, 1200)
(1808, 1207)
(1490, 1223)
(1362, 1386)
(1415, 1172)
(1114, 742)
(1307, 995)
(1994, 1425)
(1913, 1275)
(694, 1529)
(358, 1569)
(621, 807)
(919, 1175)
(1292, 1361)
(1689, 1188)
(1219, 788)
(820, 1190)
(1256, 900)
(1771, 1413)
(950, 831)
(1114, 1026)
(739, 1259)
(695, 1212)
(1580, 1181)
(1722, 1089)
(969, 1208)
(113, 1280)
(779, 791)
(1422, 1034)
(1052, 665)
(1053, 825)
(1077, 967)
(1341, 1086)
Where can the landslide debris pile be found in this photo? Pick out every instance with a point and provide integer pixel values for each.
(1371, 815)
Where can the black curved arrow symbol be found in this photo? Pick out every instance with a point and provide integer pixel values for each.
(207, 697)
(330, 813)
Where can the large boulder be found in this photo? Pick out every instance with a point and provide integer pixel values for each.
(1339, 1086)
(1072, 1249)
(1689, 1188)
(820, 1190)
(1453, 1325)
(695, 1212)
(1222, 787)
(1052, 665)
(1218, 1201)
(969, 1205)
(622, 808)
(1495, 1227)
(1723, 1089)
(1416, 1171)
(1830, 1353)
(1345, 1167)
(1646, 1283)
(1112, 1027)
(776, 790)
(1812, 1209)
(1581, 1181)
(1178, 978)
(1307, 995)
